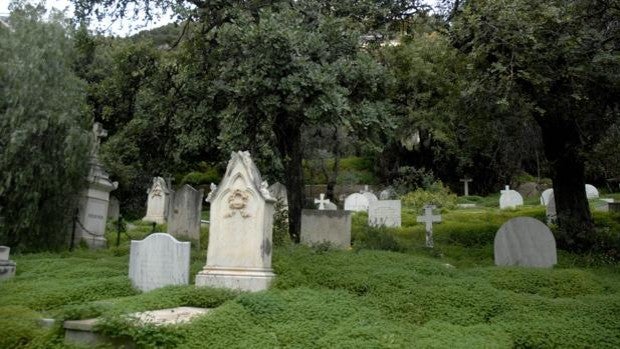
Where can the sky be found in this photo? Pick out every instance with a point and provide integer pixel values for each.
(118, 27)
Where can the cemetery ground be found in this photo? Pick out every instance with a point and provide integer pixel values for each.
(387, 291)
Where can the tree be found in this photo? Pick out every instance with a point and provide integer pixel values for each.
(290, 69)
(44, 130)
(556, 62)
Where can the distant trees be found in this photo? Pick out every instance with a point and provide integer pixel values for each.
(44, 131)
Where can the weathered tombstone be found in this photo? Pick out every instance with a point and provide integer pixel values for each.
(322, 201)
(326, 226)
(370, 196)
(158, 201)
(278, 192)
(428, 218)
(158, 261)
(551, 212)
(591, 191)
(7, 267)
(510, 199)
(544, 197)
(386, 194)
(524, 241)
(93, 204)
(184, 213)
(240, 231)
(114, 208)
(384, 213)
(466, 185)
(330, 206)
(356, 202)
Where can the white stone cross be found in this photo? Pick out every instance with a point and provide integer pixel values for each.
(429, 219)
(506, 190)
(466, 185)
(322, 201)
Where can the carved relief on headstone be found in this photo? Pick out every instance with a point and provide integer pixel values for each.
(240, 231)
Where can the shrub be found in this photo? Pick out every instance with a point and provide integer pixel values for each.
(378, 238)
(410, 178)
(436, 194)
(196, 179)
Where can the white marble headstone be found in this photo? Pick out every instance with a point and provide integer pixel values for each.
(510, 199)
(551, 211)
(157, 261)
(356, 202)
(278, 192)
(525, 241)
(330, 206)
(384, 213)
(544, 197)
(158, 201)
(370, 196)
(240, 230)
(591, 192)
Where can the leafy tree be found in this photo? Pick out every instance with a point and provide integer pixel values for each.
(44, 130)
(557, 62)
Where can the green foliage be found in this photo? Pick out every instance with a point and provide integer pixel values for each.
(436, 194)
(196, 179)
(375, 239)
(44, 131)
(281, 236)
(410, 178)
(18, 326)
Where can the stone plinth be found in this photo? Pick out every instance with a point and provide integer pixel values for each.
(240, 230)
(326, 226)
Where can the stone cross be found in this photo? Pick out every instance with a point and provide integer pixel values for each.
(322, 201)
(466, 185)
(429, 219)
(505, 191)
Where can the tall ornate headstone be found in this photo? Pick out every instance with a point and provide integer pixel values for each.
(95, 199)
(184, 213)
(158, 201)
(240, 232)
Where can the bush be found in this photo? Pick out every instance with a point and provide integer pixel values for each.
(196, 179)
(436, 194)
(411, 178)
(378, 238)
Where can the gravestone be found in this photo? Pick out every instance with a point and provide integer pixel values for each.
(370, 196)
(510, 199)
(356, 202)
(94, 201)
(384, 213)
(7, 267)
(278, 192)
(326, 226)
(544, 197)
(591, 191)
(524, 241)
(386, 194)
(466, 185)
(114, 209)
(322, 201)
(158, 201)
(184, 213)
(551, 213)
(428, 218)
(240, 230)
(330, 206)
(157, 261)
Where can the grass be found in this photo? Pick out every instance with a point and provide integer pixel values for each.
(387, 292)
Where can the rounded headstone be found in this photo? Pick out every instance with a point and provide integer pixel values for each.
(510, 199)
(591, 191)
(524, 241)
(356, 202)
(528, 189)
(544, 197)
(370, 196)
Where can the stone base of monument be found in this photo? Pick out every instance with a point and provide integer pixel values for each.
(244, 279)
(95, 242)
(7, 269)
(82, 332)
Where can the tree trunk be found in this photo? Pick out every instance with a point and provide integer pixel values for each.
(288, 135)
(562, 143)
